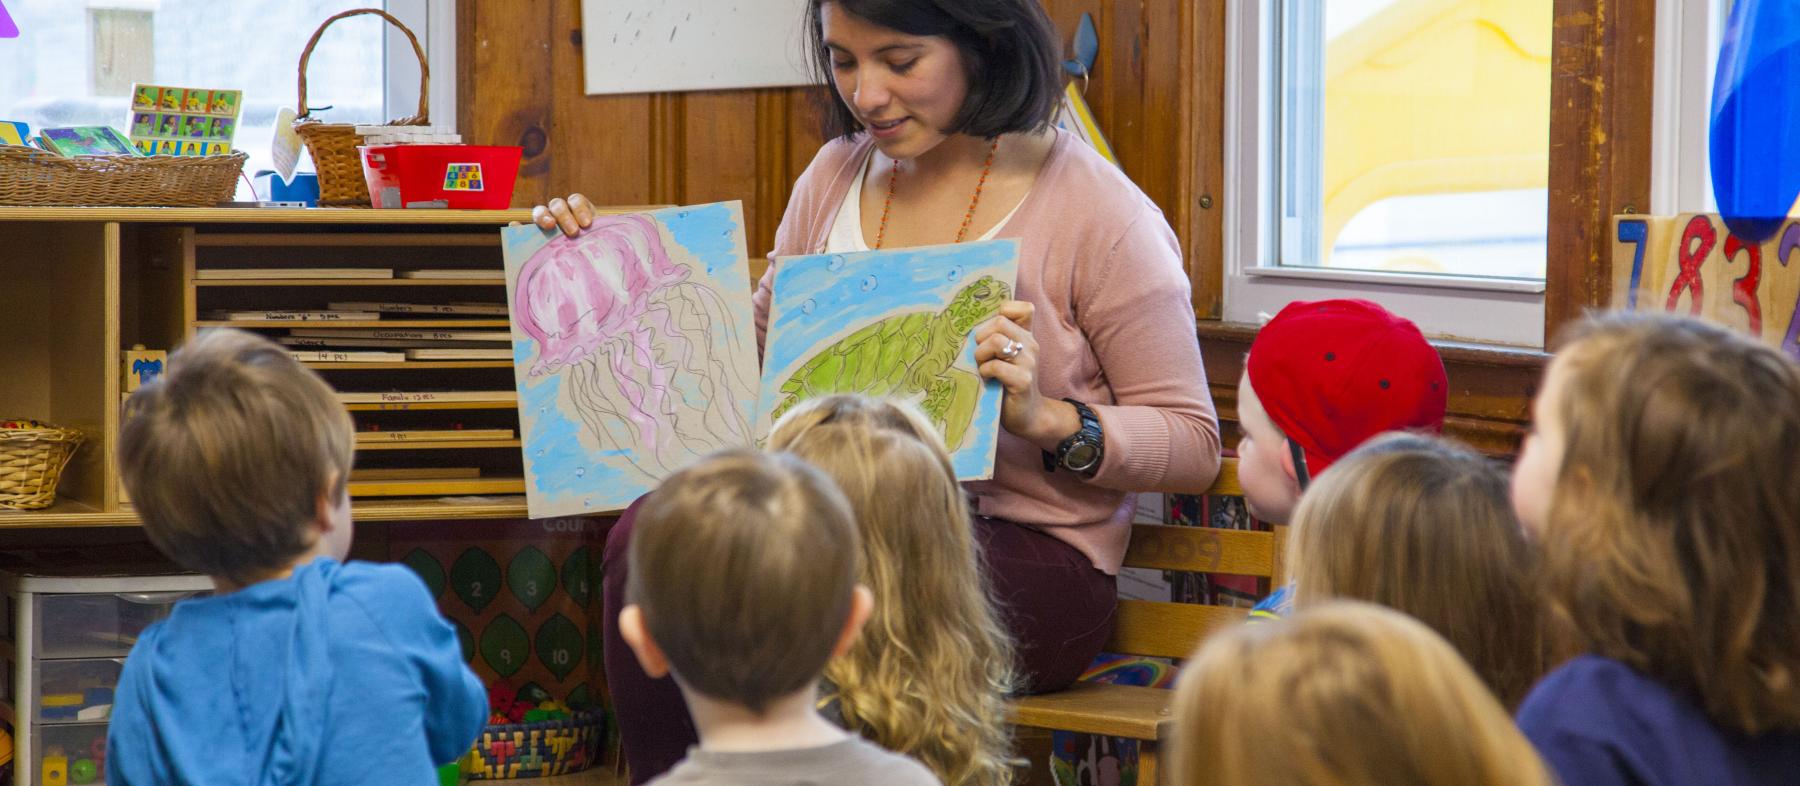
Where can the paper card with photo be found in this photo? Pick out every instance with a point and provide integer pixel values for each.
(144, 96)
(225, 102)
(197, 100)
(143, 125)
(171, 99)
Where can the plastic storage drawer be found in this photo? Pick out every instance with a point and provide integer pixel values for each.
(75, 691)
(98, 625)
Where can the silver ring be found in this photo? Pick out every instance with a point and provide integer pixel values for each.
(1012, 350)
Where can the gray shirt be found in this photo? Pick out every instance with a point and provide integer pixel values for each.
(854, 760)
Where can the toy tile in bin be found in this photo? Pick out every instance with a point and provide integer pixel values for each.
(32, 458)
(458, 177)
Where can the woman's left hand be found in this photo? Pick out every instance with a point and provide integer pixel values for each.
(1006, 351)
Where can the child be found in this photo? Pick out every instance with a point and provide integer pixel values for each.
(743, 584)
(1342, 694)
(930, 685)
(1424, 526)
(1320, 378)
(1660, 478)
(301, 669)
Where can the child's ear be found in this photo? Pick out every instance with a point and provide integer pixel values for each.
(1287, 463)
(650, 656)
(862, 604)
(325, 507)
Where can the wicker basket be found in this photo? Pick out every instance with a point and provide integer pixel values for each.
(29, 176)
(538, 750)
(32, 457)
(334, 145)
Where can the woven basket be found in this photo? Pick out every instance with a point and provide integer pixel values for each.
(29, 176)
(334, 145)
(538, 750)
(32, 457)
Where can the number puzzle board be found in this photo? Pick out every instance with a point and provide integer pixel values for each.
(1692, 264)
(524, 597)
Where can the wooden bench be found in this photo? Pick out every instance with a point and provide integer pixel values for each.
(1160, 629)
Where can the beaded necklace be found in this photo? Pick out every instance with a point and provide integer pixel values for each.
(968, 218)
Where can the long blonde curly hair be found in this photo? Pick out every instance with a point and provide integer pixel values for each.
(930, 674)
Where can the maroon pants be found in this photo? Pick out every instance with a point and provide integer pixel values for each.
(1058, 608)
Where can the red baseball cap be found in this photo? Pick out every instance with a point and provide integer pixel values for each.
(1333, 373)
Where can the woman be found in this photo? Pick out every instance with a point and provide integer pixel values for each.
(941, 133)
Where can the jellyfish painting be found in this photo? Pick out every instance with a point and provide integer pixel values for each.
(657, 367)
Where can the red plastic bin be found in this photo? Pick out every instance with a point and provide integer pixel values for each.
(460, 177)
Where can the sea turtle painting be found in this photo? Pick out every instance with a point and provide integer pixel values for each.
(910, 356)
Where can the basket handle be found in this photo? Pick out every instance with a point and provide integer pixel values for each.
(424, 115)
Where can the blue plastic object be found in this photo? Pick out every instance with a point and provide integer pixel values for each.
(305, 188)
(1087, 48)
(1755, 130)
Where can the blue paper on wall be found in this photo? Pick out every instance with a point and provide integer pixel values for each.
(1755, 130)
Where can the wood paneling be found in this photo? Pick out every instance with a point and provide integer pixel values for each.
(1602, 73)
(520, 82)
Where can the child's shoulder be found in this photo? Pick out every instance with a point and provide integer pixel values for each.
(388, 593)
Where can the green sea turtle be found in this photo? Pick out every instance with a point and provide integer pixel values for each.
(906, 356)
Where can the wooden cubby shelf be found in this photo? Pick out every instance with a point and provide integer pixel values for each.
(245, 283)
(270, 324)
(85, 284)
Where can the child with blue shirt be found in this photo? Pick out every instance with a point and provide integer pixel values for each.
(302, 669)
(1660, 479)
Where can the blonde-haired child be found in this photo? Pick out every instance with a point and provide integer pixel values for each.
(929, 675)
(1342, 694)
(1424, 526)
(1660, 478)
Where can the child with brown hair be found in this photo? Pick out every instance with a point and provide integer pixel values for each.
(302, 668)
(743, 584)
(929, 676)
(1660, 479)
(1424, 526)
(1342, 694)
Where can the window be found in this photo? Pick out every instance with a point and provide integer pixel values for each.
(1395, 150)
(1687, 59)
(75, 61)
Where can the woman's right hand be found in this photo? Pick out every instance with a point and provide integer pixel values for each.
(571, 215)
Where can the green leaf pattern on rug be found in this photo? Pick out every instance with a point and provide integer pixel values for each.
(578, 698)
(429, 570)
(466, 640)
(559, 646)
(476, 578)
(505, 646)
(532, 577)
(575, 576)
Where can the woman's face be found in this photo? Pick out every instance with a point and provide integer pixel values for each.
(904, 88)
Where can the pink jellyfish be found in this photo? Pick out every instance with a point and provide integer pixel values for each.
(647, 352)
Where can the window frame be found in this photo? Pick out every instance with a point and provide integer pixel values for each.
(435, 25)
(1503, 311)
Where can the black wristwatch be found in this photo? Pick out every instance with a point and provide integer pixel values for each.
(1082, 451)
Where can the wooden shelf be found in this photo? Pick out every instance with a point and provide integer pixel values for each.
(344, 282)
(65, 513)
(498, 507)
(247, 215)
(436, 487)
(406, 364)
(405, 406)
(447, 324)
(320, 239)
(449, 444)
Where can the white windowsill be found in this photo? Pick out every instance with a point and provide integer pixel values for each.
(1427, 280)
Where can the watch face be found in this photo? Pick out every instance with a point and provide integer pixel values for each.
(1081, 456)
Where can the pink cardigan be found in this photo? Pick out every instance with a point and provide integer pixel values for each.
(1115, 330)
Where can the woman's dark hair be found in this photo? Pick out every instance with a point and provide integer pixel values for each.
(1010, 54)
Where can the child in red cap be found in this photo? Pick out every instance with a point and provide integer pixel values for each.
(1321, 378)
